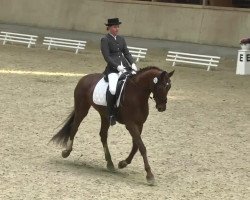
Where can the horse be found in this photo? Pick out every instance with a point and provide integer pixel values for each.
(132, 112)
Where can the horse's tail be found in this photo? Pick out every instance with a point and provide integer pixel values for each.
(63, 135)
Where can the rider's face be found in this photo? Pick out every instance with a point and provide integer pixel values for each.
(114, 30)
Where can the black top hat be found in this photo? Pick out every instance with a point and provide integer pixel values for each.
(113, 21)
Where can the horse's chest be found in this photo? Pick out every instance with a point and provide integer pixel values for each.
(135, 113)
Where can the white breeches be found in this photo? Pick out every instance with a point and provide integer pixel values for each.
(113, 78)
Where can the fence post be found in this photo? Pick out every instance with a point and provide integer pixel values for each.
(138, 58)
(5, 38)
(77, 48)
(50, 40)
(175, 58)
(30, 42)
(209, 66)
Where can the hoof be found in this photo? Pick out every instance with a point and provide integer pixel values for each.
(65, 153)
(151, 181)
(122, 164)
(111, 167)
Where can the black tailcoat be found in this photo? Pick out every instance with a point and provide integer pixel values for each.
(114, 52)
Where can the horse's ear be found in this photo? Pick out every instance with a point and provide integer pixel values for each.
(171, 73)
(163, 74)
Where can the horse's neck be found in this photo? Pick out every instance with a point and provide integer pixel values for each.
(145, 80)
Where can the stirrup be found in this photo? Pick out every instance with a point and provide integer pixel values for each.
(112, 120)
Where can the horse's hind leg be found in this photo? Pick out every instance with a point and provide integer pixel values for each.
(81, 111)
(104, 135)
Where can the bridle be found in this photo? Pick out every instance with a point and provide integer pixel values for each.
(159, 101)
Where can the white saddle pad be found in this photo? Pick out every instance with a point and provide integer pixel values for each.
(99, 94)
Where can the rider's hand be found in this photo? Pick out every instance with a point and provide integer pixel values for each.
(134, 67)
(121, 68)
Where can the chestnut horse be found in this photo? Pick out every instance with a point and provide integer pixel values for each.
(132, 112)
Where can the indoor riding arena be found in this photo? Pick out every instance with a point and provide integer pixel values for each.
(198, 148)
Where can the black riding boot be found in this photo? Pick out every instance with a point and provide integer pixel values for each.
(111, 108)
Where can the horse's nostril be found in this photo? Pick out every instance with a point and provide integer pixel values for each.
(160, 109)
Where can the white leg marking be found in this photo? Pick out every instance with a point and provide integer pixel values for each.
(69, 145)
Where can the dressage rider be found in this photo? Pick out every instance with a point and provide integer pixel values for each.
(116, 54)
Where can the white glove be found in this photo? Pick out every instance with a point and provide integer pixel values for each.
(134, 67)
(121, 68)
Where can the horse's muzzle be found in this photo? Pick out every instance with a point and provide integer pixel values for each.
(161, 107)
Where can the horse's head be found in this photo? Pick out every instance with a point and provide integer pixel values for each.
(161, 86)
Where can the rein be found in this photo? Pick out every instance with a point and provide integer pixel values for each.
(161, 101)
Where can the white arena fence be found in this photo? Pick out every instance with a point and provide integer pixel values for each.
(137, 52)
(65, 43)
(19, 38)
(197, 59)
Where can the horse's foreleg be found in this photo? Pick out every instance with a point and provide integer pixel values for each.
(135, 133)
(134, 150)
(128, 160)
(104, 136)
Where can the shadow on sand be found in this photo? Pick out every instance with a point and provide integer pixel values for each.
(82, 167)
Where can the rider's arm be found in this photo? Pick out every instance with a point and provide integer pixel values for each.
(106, 53)
(126, 53)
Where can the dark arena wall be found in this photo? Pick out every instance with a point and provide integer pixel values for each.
(212, 25)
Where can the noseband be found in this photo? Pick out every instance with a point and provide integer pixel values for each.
(157, 84)
(163, 101)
